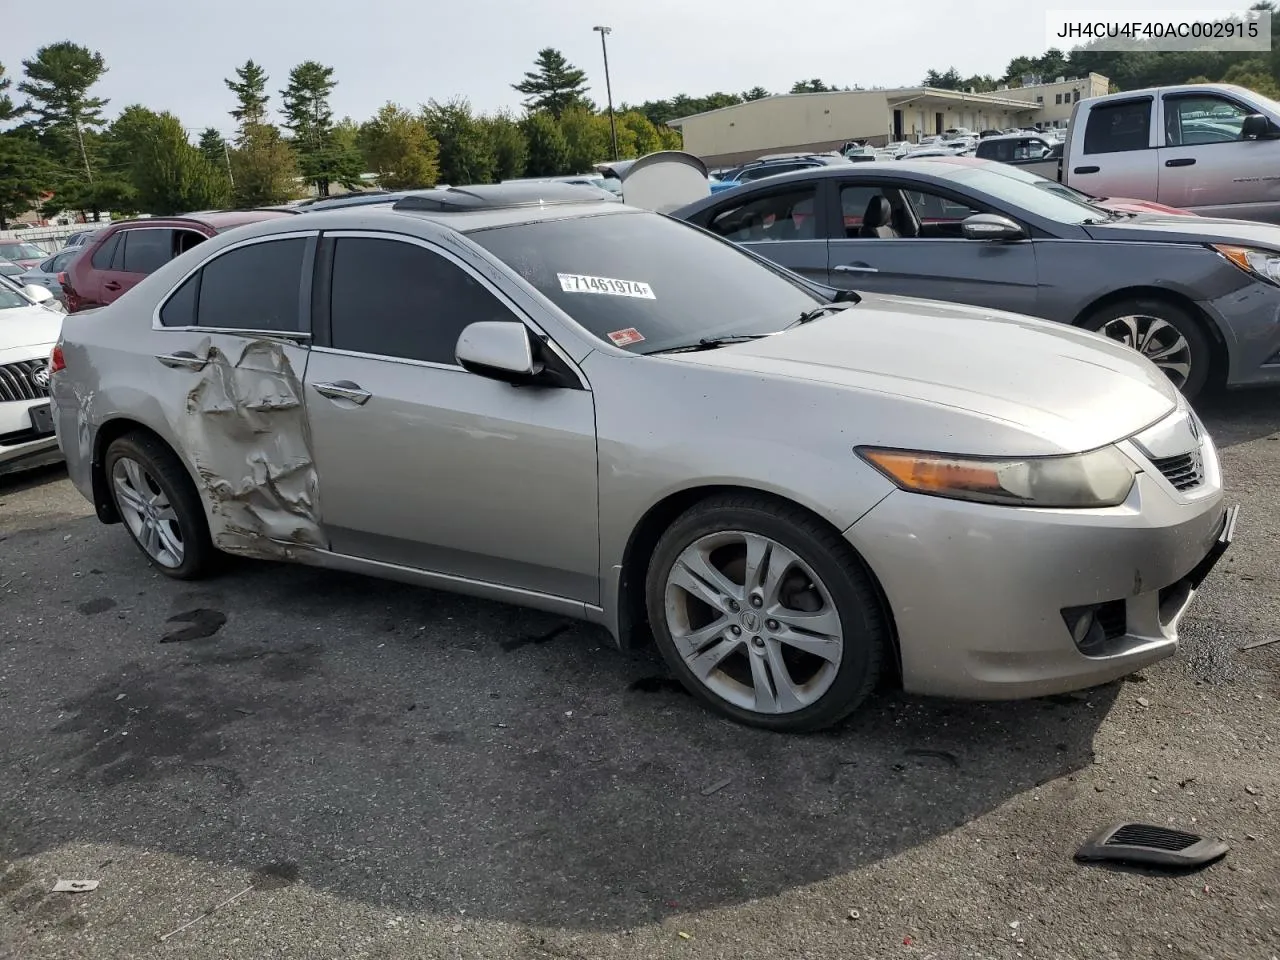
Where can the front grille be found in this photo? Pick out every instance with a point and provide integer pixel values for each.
(18, 381)
(1185, 471)
(1145, 835)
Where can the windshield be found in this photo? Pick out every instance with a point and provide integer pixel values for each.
(15, 250)
(10, 299)
(8, 269)
(1024, 191)
(647, 283)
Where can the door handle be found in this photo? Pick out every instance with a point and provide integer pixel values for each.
(183, 359)
(855, 268)
(1180, 162)
(343, 390)
(1086, 169)
(111, 285)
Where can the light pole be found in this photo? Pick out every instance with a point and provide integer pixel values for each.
(608, 89)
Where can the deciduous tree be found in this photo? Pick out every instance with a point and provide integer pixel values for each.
(400, 149)
(510, 148)
(466, 153)
(548, 151)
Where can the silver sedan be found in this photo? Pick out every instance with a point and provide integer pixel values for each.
(593, 410)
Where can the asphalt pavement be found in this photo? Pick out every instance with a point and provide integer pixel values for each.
(350, 768)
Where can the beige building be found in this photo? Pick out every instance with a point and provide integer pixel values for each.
(825, 121)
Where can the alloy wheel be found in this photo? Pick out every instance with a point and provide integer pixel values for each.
(753, 622)
(1157, 340)
(146, 509)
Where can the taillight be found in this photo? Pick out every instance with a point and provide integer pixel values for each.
(62, 279)
(56, 362)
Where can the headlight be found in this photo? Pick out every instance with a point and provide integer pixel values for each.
(1261, 263)
(1101, 478)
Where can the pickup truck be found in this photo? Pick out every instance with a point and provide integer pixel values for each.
(1213, 149)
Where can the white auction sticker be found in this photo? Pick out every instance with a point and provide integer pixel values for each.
(577, 283)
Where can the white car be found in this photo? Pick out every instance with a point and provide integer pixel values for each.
(28, 332)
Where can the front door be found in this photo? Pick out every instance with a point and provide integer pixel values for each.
(922, 253)
(424, 465)
(1205, 166)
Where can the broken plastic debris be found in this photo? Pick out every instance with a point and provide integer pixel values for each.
(1144, 702)
(854, 915)
(684, 936)
(75, 886)
(716, 787)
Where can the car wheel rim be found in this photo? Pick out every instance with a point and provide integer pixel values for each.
(753, 622)
(1157, 340)
(147, 512)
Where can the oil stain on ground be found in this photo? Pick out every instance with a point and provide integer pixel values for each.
(201, 623)
(96, 605)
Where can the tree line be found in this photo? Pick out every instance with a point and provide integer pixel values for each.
(61, 152)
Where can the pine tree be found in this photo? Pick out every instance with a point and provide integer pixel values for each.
(510, 148)
(250, 88)
(58, 82)
(555, 85)
(212, 145)
(310, 119)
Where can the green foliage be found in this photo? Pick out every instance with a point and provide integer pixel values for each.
(810, 86)
(587, 137)
(212, 145)
(548, 151)
(264, 168)
(755, 93)
(671, 137)
(466, 152)
(26, 173)
(170, 175)
(62, 111)
(321, 157)
(554, 85)
(637, 135)
(661, 112)
(7, 110)
(250, 88)
(510, 148)
(400, 149)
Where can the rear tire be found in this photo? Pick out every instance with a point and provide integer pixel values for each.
(795, 646)
(159, 506)
(1167, 334)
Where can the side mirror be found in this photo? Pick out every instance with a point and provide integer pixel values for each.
(990, 226)
(37, 293)
(1256, 127)
(499, 350)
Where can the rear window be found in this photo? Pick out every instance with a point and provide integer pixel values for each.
(1119, 127)
(16, 250)
(646, 282)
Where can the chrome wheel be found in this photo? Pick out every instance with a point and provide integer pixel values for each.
(1157, 340)
(753, 622)
(146, 510)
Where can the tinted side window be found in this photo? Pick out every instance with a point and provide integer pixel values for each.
(777, 216)
(146, 251)
(102, 256)
(1118, 127)
(180, 309)
(396, 299)
(254, 288)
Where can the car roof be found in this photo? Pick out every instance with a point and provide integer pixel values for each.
(217, 220)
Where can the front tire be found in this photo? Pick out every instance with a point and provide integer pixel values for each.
(159, 506)
(1166, 334)
(766, 613)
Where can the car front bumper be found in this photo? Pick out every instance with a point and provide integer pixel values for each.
(982, 596)
(1249, 319)
(25, 440)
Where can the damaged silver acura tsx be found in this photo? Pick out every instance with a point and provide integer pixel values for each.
(528, 394)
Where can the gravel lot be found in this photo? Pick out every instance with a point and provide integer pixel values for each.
(393, 772)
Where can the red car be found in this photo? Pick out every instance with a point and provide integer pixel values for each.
(25, 255)
(117, 258)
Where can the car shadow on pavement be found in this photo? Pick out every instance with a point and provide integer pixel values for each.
(417, 750)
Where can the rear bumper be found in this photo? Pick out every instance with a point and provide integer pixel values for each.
(982, 597)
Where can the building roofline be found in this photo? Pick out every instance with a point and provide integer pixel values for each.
(893, 92)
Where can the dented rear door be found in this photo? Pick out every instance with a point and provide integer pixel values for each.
(231, 348)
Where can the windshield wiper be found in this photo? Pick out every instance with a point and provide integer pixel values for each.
(710, 343)
(816, 312)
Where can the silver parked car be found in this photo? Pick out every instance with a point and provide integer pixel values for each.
(47, 273)
(599, 411)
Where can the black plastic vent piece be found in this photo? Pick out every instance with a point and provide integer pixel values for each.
(497, 196)
(1148, 844)
(1185, 472)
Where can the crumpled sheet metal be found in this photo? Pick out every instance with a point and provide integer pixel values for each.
(247, 435)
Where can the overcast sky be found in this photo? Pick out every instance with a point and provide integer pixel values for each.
(174, 54)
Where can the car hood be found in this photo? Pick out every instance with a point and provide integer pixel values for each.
(25, 328)
(1161, 228)
(1036, 387)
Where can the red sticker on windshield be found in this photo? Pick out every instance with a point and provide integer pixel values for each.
(624, 338)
